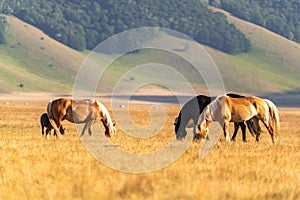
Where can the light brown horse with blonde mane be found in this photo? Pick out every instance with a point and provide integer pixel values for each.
(225, 109)
(80, 111)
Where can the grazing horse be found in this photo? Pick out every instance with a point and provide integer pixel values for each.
(225, 109)
(45, 123)
(80, 111)
(191, 112)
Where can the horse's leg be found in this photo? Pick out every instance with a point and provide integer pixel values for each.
(59, 124)
(43, 131)
(236, 128)
(226, 132)
(48, 132)
(243, 127)
(55, 135)
(87, 126)
(90, 128)
(256, 127)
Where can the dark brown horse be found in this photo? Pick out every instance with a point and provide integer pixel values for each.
(192, 110)
(80, 111)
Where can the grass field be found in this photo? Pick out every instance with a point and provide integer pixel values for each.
(34, 168)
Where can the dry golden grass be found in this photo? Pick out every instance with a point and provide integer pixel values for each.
(34, 168)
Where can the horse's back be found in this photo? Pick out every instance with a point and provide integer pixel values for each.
(237, 109)
(194, 107)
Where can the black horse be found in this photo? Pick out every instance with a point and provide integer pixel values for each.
(192, 110)
(45, 123)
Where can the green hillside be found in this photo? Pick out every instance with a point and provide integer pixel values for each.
(281, 17)
(84, 24)
(272, 65)
(31, 61)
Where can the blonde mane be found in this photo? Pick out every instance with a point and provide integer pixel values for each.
(106, 115)
(214, 108)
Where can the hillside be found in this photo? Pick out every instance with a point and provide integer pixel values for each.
(272, 65)
(33, 62)
(84, 24)
(281, 17)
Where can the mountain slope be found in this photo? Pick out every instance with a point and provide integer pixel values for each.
(271, 66)
(32, 61)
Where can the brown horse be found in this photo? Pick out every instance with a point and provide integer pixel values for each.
(192, 109)
(225, 109)
(80, 111)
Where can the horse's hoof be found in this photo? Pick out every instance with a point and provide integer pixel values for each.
(180, 138)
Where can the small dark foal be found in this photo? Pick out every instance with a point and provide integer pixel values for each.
(45, 123)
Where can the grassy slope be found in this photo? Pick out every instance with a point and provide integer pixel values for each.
(43, 64)
(272, 65)
(35, 60)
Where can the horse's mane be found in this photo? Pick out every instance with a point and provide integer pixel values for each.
(105, 114)
(214, 107)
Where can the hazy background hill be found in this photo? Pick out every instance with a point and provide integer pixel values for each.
(32, 61)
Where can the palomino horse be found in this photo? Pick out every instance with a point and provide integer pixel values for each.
(80, 111)
(225, 109)
(190, 112)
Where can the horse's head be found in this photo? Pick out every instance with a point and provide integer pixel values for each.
(204, 122)
(109, 125)
(179, 131)
(110, 130)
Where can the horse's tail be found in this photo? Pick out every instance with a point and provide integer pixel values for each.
(251, 127)
(51, 117)
(274, 113)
